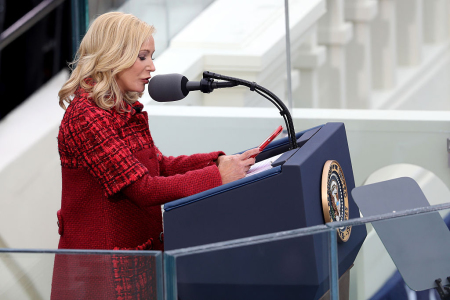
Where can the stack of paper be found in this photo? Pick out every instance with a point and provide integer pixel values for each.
(262, 165)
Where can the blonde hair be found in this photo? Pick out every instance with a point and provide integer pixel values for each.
(110, 46)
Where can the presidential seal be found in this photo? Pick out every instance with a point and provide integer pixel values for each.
(335, 197)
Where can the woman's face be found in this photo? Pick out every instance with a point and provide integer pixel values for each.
(136, 77)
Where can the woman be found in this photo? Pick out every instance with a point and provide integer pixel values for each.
(114, 177)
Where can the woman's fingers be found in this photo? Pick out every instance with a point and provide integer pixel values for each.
(250, 153)
(233, 167)
(249, 162)
(249, 156)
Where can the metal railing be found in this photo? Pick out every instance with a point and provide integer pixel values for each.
(27, 21)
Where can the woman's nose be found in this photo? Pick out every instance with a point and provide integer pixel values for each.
(151, 67)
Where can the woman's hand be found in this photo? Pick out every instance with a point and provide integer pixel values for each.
(234, 167)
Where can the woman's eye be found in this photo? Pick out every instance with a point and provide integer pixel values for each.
(142, 57)
(153, 58)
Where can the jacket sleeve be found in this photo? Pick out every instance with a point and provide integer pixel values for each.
(170, 165)
(148, 191)
(110, 161)
(107, 158)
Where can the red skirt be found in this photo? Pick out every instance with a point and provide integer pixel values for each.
(102, 276)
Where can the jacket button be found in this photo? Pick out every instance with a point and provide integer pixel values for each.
(60, 222)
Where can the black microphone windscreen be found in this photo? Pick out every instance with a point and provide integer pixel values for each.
(168, 87)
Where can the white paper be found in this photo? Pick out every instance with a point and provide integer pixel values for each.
(262, 165)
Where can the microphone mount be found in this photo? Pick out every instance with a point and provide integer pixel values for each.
(207, 85)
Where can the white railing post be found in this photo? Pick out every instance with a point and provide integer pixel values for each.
(384, 46)
(409, 32)
(359, 63)
(307, 60)
(335, 33)
(435, 15)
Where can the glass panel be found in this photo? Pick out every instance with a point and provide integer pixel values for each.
(80, 22)
(285, 265)
(168, 16)
(28, 274)
(98, 7)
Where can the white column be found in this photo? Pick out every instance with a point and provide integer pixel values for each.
(447, 9)
(358, 57)
(384, 46)
(435, 14)
(307, 60)
(409, 32)
(335, 33)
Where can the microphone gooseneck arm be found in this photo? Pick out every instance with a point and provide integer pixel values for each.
(207, 85)
(231, 81)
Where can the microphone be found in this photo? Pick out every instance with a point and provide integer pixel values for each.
(174, 87)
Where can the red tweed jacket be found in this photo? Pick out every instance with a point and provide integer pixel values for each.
(114, 180)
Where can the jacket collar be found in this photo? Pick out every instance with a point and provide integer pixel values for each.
(122, 117)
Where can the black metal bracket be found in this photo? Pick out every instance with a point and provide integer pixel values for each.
(443, 290)
(284, 112)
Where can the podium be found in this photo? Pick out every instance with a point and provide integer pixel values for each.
(284, 197)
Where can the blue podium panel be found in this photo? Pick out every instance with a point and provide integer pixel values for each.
(271, 270)
(285, 197)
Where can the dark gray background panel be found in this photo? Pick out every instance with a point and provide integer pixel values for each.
(419, 245)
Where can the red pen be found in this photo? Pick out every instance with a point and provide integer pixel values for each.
(269, 139)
